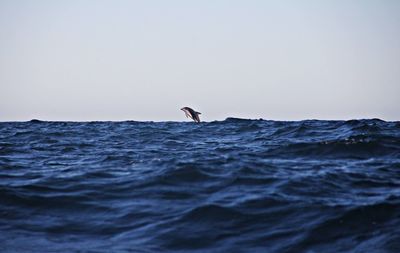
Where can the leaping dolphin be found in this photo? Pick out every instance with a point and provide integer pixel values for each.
(190, 113)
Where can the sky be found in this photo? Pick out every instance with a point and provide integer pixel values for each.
(84, 60)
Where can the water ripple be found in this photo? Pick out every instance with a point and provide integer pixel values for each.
(225, 186)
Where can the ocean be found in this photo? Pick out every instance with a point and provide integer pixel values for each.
(225, 186)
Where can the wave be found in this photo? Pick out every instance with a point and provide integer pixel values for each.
(351, 228)
(237, 185)
(353, 147)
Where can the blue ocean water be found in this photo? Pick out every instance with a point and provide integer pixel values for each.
(225, 186)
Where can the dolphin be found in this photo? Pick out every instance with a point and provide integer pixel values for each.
(190, 113)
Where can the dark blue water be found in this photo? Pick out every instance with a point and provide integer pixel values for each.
(227, 186)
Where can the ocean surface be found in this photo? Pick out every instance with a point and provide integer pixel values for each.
(225, 186)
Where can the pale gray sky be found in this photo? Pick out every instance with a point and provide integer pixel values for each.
(144, 60)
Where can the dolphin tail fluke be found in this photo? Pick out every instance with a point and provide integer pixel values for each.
(196, 117)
